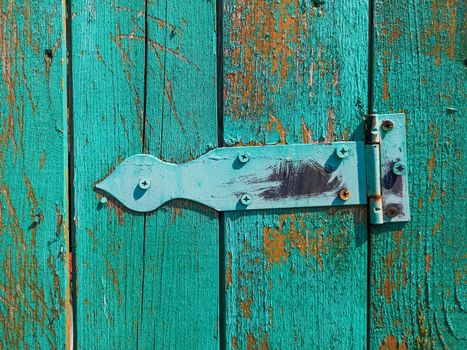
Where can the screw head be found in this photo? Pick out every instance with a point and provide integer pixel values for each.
(344, 194)
(399, 168)
(246, 199)
(144, 184)
(387, 125)
(391, 212)
(342, 151)
(244, 157)
(103, 200)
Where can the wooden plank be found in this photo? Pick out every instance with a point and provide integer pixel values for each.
(180, 292)
(33, 143)
(108, 80)
(295, 72)
(418, 277)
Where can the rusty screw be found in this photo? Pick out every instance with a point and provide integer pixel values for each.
(344, 194)
(144, 184)
(244, 157)
(399, 168)
(392, 212)
(342, 151)
(387, 125)
(246, 199)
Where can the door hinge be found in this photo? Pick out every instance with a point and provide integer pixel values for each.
(372, 173)
(386, 168)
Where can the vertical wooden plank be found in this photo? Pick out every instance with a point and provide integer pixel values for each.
(418, 276)
(108, 80)
(33, 144)
(295, 72)
(180, 291)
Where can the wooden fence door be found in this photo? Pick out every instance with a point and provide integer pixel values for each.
(86, 84)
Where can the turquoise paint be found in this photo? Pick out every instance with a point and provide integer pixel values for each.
(290, 176)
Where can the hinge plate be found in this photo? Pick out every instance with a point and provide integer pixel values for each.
(246, 178)
(394, 170)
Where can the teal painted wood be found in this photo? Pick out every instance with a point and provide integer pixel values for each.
(180, 308)
(108, 89)
(418, 277)
(295, 71)
(245, 178)
(33, 228)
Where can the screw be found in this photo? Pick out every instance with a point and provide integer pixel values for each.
(144, 184)
(243, 157)
(103, 200)
(399, 168)
(246, 199)
(342, 152)
(387, 125)
(344, 194)
(392, 212)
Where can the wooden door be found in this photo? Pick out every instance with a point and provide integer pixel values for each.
(86, 84)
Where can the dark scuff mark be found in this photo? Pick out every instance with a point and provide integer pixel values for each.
(392, 181)
(299, 179)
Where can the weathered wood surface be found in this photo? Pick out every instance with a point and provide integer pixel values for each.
(33, 164)
(418, 275)
(108, 99)
(143, 281)
(295, 72)
(180, 292)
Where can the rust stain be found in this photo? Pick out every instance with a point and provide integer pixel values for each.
(273, 120)
(330, 135)
(437, 226)
(245, 304)
(31, 195)
(234, 342)
(42, 161)
(114, 280)
(427, 263)
(392, 343)
(228, 273)
(395, 264)
(251, 342)
(307, 134)
(274, 246)
(264, 39)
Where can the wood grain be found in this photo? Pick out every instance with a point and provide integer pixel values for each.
(34, 308)
(418, 275)
(108, 90)
(180, 293)
(295, 72)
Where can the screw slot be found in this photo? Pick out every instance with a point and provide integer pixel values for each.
(244, 157)
(399, 168)
(342, 151)
(344, 194)
(246, 199)
(387, 125)
(392, 212)
(144, 184)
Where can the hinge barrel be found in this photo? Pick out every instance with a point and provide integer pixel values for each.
(373, 178)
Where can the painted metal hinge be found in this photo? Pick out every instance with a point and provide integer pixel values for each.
(278, 177)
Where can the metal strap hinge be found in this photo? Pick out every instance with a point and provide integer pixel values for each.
(278, 177)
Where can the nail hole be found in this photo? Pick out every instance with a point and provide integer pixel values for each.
(48, 54)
